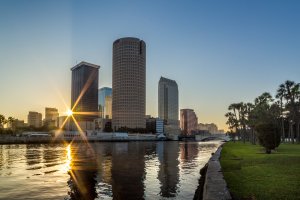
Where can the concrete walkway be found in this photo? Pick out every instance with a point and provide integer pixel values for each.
(215, 186)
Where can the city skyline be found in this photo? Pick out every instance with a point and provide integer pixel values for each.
(213, 52)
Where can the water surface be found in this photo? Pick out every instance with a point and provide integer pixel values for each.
(125, 170)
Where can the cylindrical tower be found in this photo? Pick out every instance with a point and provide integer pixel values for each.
(129, 83)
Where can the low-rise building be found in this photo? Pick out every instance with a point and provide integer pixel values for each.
(16, 124)
(34, 119)
(103, 125)
(211, 128)
(154, 125)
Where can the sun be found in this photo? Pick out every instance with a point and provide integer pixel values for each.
(69, 112)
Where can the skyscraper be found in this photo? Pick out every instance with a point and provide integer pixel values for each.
(104, 102)
(84, 93)
(129, 83)
(168, 101)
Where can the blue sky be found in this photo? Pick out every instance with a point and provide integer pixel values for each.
(219, 52)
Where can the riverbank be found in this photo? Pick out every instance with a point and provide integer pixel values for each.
(214, 185)
(252, 174)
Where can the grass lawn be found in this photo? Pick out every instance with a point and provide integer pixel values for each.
(252, 174)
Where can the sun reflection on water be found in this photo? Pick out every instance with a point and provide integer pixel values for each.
(67, 166)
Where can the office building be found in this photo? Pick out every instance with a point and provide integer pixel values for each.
(129, 83)
(154, 125)
(51, 117)
(188, 121)
(103, 125)
(168, 101)
(34, 119)
(84, 94)
(105, 102)
(63, 122)
(108, 107)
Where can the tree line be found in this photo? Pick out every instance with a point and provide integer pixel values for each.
(13, 129)
(268, 120)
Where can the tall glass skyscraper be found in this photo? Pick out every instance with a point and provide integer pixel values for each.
(168, 101)
(104, 101)
(84, 93)
(129, 83)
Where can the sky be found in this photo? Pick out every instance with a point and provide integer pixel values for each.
(218, 52)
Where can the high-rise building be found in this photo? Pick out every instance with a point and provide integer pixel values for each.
(108, 105)
(84, 93)
(104, 102)
(34, 119)
(188, 121)
(63, 122)
(129, 83)
(51, 117)
(168, 101)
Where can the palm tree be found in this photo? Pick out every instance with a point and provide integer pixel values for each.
(280, 95)
(292, 93)
(236, 108)
(10, 121)
(265, 97)
(2, 121)
(249, 121)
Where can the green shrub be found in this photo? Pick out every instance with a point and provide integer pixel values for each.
(268, 136)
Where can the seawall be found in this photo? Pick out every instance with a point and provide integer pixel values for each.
(215, 186)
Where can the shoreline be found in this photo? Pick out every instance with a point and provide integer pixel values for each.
(212, 184)
(199, 191)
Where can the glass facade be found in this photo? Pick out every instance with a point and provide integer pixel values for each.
(84, 98)
(168, 101)
(104, 95)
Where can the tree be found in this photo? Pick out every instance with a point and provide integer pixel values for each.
(291, 93)
(10, 121)
(265, 119)
(238, 118)
(280, 95)
(235, 112)
(268, 136)
(3, 121)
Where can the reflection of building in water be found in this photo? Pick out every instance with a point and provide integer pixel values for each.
(104, 160)
(168, 174)
(128, 170)
(188, 151)
(51, 156)
(83, 172)
(33, 154)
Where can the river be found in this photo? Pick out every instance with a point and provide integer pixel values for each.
(105, 170)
